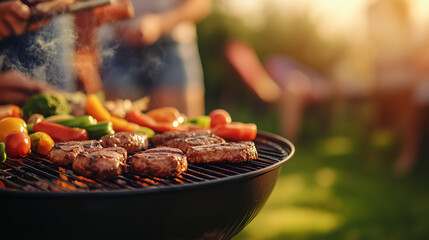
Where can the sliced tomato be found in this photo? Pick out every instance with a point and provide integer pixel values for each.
(236, 131)
(219, 117)
(17, 144)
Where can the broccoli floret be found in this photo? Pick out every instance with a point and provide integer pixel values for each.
(46, 104)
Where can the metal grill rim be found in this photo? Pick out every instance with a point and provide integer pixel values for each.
(35, 173)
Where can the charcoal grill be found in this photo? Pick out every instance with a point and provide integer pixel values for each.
(209, 201)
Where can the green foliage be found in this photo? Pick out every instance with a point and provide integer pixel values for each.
(340, 185)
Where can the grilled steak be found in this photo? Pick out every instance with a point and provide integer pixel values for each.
(184, 143)
(64, 153)
(101, 163)
(159, 162)
(131, 141)
(160, 139)
(230, 151)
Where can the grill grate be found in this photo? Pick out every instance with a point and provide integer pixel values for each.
(35, 173)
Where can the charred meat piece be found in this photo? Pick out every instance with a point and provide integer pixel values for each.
(64, 153)
(159, 162)
(184, 143)
(104, 163)
(131, 141)
(160, 139)
(230, 151)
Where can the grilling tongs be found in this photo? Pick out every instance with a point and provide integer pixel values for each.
(42, 9)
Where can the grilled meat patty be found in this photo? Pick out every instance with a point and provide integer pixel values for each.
(101, 163)
(184, 143)
(159, 162)
(230, 151)
(64, 153)
(131, 141)
(162, 138)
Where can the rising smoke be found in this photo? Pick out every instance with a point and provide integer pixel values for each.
(45, 54)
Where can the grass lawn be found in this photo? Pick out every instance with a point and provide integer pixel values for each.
(341, 186)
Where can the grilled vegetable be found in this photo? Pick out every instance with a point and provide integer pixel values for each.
(202, 121)
(164, 114)
(79, 122)
(149, 132)
(17, 144)
(10, 124)
(10, 111)
(35, 118)
(3, 154)
(236, 131)
(41, 143)
(94, 108)
(60, 133)
(100, 129)
(122, 125)
(221, 125)
(46, 104)
(30, 128)
(57, 118)
(219, 117)
(144, 120)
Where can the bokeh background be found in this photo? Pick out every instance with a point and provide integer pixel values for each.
(347, 82)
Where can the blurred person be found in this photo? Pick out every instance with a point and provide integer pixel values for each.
(31, 54)
(279, 80)
(156, 54)
(301, 88)
(390, 30)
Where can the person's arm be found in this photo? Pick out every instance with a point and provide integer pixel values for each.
(13, 18)
(188, 10)
(147, 29)
(17, 87)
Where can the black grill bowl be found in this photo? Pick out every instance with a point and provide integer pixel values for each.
(209, 209)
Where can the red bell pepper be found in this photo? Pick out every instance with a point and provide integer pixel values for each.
(236, 131)
(145, 120)
(60, 133)
(10, 111)
(164, 114)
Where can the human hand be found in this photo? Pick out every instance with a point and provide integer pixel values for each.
(13, 18)
(17, 87)
(141, 31)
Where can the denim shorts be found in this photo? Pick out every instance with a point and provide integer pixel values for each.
(135, 72)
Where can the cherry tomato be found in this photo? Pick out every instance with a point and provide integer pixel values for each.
(17, 144)
(219, 117)
(236, 131)
(11, 124)
(41, 143)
